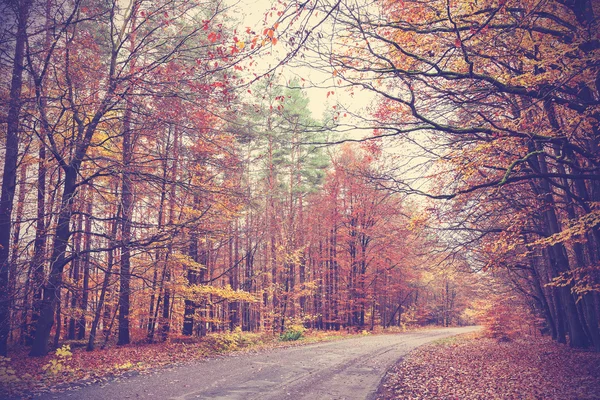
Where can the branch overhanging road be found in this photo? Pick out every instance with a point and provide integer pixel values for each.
(345, 369)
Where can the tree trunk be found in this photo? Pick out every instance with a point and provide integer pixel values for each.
(75, 266)
(86, 269)
(39, 246)
(9, 176)
(127, 204)
(12, 282)
(58, 261)
(560, 264)
(107, 274)
(192, 279)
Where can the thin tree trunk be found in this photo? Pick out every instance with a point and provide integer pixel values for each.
(86, 268)
(12, 282)
(39, 246)
(107, 274)
(75, 278)
(127, 202)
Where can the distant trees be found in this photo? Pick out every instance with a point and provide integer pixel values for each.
(504, 97)
(144, 195)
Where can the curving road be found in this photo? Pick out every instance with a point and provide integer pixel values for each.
(345, 369)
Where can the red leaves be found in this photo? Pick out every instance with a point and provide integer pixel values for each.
(473, 368)
(213, 37)
(457, 42)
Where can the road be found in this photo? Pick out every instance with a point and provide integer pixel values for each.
(344, 369)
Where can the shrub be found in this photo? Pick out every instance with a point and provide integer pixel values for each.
(7, 374)
(292, 333)
(231, 341)
(504, 318)
(59, 364)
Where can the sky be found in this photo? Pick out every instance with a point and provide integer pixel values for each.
(251, 14)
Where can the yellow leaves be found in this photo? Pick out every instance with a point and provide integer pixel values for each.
(125, 366)
(204, 292)
(417, 222)
(187, 261)
(574, 230)
(59, 365)
(64, 352)
(7, 374)
(308, 288)
(581, 280)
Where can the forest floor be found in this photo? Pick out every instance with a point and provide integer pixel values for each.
(21, 374)
(472, 366)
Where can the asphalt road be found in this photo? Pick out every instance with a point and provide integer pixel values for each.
(345, 369)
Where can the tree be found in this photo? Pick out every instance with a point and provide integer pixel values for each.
(505, 95)
(9, 174)
(93, 96)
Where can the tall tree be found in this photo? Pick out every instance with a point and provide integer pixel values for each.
(9, 172)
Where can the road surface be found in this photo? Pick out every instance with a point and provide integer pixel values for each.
(344, 369)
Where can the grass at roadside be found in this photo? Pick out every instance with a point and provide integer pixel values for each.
(474, 367)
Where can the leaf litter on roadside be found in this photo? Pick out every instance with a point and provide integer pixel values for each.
(474, 367)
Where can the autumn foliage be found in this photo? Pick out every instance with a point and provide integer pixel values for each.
(160, 182)
(498, 102)
(150, 194)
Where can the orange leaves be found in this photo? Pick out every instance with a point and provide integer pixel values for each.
(270, 35)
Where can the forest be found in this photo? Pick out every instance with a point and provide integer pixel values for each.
(170, 171)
